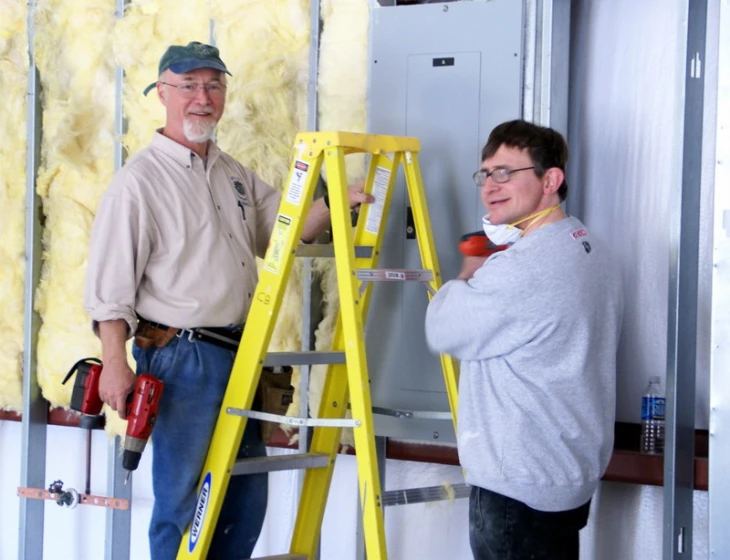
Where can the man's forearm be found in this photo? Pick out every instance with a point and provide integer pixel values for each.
(113, 335)
(317, 220)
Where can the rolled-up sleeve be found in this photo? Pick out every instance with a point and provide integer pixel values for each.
(120, 248)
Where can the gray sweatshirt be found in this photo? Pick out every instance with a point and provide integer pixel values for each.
(536, 330)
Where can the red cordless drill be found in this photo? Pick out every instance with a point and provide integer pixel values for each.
(142, 406)
(477, 244)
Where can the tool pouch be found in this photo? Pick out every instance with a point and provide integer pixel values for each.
(148, 336)
(275, 394)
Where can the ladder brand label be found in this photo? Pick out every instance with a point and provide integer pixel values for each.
(201, 507)
(279, 236)
(380, 190)
(296, 185)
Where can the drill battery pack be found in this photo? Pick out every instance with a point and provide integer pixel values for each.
(85, 392)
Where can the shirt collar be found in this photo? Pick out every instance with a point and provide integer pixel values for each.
(184, 156)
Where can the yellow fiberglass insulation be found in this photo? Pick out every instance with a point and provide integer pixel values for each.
(13, 79)
(73, 47)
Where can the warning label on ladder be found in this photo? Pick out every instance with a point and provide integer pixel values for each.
(276, 244)
(298, 177)
(380, 189)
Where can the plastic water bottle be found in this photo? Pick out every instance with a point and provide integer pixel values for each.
(652, 418)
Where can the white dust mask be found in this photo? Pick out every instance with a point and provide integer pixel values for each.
(500, 234)
(506, 234)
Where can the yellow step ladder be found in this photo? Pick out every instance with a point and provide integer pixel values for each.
(356, 260)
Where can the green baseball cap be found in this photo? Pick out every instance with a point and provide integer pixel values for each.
(194, 55)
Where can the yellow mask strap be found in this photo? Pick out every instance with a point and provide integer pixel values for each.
(536, 216)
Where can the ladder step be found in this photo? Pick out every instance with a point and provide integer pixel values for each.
(282, 557)
(324, 251)
(426, 494)
(303, 358)
(293, 420)
(412, 414)
(394, 275)
(280, 463)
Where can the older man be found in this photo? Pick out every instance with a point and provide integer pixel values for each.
(173, 249)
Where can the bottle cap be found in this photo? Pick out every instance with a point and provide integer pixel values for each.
(654, 379)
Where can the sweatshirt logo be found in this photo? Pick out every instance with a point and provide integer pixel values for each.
(577, 234)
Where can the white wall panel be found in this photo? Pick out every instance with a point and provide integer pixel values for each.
(622, 140)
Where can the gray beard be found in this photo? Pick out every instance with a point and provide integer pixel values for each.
(198, 133)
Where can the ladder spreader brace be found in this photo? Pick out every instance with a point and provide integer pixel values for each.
(356, 259)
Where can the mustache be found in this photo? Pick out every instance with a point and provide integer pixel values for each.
(203, 110)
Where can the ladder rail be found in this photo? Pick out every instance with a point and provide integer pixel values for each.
(357, 370)
(429, 261)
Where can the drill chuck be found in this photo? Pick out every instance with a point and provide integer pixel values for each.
(133, 448)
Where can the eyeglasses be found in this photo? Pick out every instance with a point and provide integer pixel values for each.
(190, 89)
(500, 175)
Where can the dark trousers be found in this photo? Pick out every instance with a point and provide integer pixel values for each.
(501, 528)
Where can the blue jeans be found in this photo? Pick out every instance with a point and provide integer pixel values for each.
(501, 528)
(195, 376)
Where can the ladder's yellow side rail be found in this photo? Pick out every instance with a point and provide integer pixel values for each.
(380, 183)
(267, 299)
(357, 368)
(429, 260)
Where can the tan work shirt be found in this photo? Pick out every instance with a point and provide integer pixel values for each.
(175, 240)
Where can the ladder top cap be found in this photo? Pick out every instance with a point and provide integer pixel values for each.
(356, 142)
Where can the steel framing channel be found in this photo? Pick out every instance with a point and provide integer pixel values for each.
(35, 408)
(315, 20)
(308, 288)
(683, 289)
(545, 72)
(118, 522)
(719, 494)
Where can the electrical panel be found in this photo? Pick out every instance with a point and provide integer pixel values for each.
(446, 74)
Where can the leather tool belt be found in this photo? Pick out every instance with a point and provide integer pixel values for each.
(150, 334)
(274, 393)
